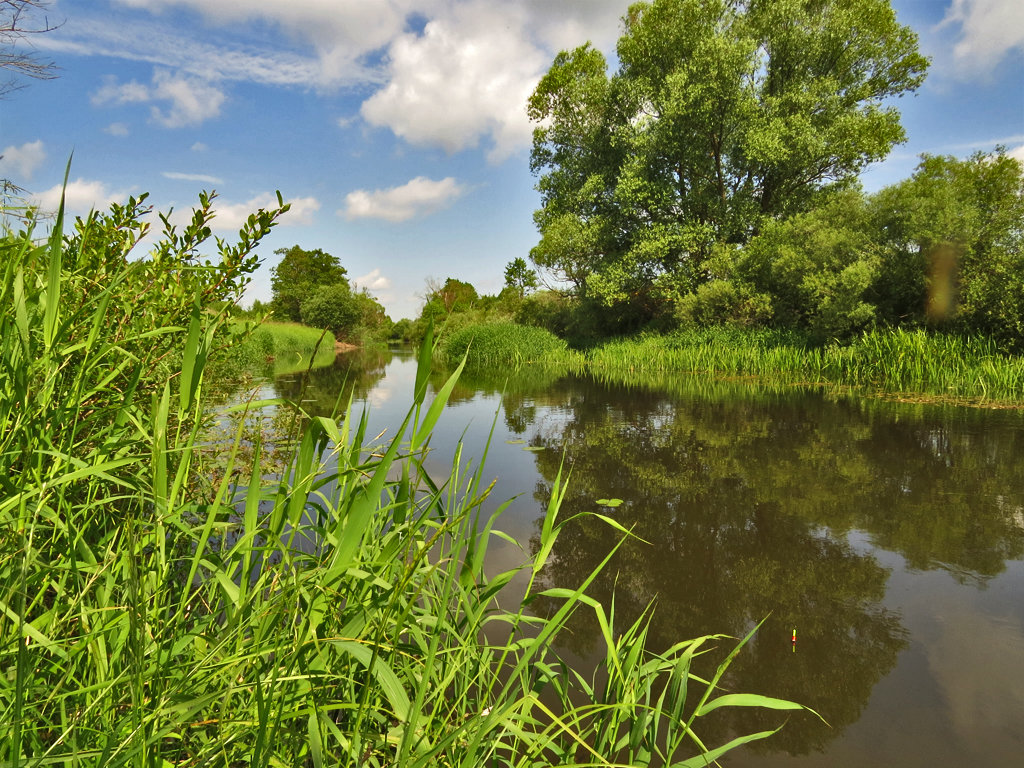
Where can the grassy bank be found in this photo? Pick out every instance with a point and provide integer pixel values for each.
(280, 347)
(338, 615)
(891, 361)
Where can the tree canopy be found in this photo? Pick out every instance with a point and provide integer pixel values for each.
(722, 116)
(298, 275)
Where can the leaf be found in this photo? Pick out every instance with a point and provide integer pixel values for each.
(609, 502)
(746, 700)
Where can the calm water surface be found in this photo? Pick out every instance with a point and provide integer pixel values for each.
(889, 535)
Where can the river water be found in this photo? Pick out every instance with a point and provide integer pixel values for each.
(888, 535)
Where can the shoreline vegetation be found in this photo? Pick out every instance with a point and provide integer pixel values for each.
(156, 611)
(901, 363)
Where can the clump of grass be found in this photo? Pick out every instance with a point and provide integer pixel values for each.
(336, 615)
(506, 344)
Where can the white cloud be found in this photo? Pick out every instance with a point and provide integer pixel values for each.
(116, 129)
(23, 160)
(373, 281)
(461, 78)
(80, 197)
(468, 76)
(419, 197)
(989, 31)
(219, 60)
(191, 100)
(1018, 153)
(231, 216)
(199, 147)
(192, 177)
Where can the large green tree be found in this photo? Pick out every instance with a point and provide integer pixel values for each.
(723, 114)
(298, 275)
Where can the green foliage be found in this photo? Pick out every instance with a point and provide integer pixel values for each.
(894, 360)
(818, 268)
(520, 278)
(953, 246)
(298, 275)
(505, 344)
(334, 308)
(723, 302)
(337, 614)
(721, 116)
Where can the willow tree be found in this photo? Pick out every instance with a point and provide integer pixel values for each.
(722, 114)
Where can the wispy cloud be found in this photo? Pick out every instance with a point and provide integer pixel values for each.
(214, 60)
(192, 177)
(989, 31)
(419, 197)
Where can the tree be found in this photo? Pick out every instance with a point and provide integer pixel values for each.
(15, 25)
(298, 275)
(952, 241)
(520, 278)
(722, 116)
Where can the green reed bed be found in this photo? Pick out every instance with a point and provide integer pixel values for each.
(899, 361)
(340, 615)
(508, 344)
(917, 361)
(720, 350)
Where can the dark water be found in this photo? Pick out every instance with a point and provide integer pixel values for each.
(890, 536)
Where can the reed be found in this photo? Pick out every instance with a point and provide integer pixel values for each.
(340, 614)
(889, 360)
(503, 343)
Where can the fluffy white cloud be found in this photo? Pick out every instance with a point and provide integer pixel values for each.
(116, 129)
(80, 197)
(190, 100)
(1018, 153)
(419, 197)
(373, 281)
(467, 76)
(989, 30)
(231, 216)
(23, 160)
(455, 72)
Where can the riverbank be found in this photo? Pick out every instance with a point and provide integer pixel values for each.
(894, 363)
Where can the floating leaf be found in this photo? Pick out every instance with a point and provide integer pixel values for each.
(533, 447)
(609, 502)
(515, 442)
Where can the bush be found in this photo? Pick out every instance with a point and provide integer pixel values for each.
(722, 302)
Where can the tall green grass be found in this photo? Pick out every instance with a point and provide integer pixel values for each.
(281, 348)
(503, 343)
(893, 360)
(339, 615)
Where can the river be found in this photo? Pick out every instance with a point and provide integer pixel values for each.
(888, 536)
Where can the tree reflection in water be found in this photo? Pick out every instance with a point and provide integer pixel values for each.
(747, 498)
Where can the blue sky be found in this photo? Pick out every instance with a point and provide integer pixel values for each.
(396, 128)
